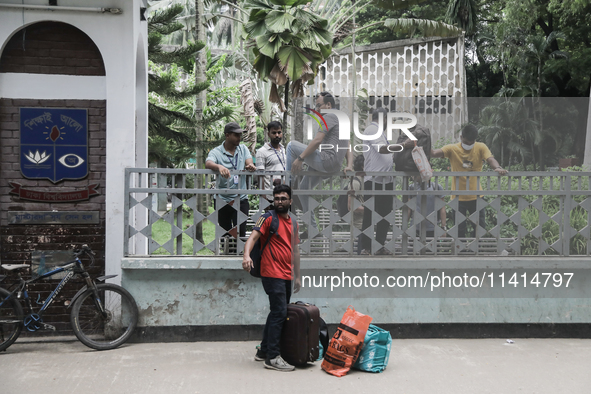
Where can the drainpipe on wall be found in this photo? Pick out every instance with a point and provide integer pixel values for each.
(103, 10)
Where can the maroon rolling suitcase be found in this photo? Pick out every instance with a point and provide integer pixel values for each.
(300, 334)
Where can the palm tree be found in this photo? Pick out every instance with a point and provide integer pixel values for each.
(340, 19)
(539, 51)
(463, 14)
(289, 43)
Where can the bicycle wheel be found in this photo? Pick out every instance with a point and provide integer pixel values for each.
(98, 331)
(11, 320)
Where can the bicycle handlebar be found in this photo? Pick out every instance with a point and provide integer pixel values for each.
(84, 249)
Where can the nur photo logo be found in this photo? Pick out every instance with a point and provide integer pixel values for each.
(394, 121)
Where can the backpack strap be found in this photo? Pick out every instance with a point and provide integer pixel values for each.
(272, 231)
(272, 228)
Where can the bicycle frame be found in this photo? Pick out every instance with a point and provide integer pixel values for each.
(72, 268)
(96, 316)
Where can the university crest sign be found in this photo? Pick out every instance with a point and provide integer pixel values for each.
(54, 143)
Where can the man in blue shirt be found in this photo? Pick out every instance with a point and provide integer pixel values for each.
(230, 155)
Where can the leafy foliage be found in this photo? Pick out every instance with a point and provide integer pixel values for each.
(463, 13)
(289, 43)
(531, 48)
(186, 18)
(170, 140)
(379, 11)
(171, 108)
(427, 27)
(549, 28)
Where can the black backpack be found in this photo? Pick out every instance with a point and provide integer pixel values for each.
(403, 161)
(257, 251)
(323, 337)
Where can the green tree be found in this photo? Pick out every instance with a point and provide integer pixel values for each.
(538, 52)
(415, 16)
(528, 41)
(186, 18)
(506, 127)
(289, 43)
(518, 49)
(170, 139)
(463, 13)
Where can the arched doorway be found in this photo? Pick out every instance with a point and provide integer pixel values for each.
(53, 162)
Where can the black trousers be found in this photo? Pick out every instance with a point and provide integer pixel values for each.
(228, 217)
(279, 292)
(383, 206)
(467, 208)
(428, 234)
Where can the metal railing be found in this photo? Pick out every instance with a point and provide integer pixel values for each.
(526, 213)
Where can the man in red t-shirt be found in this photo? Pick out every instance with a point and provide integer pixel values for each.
(280, 264)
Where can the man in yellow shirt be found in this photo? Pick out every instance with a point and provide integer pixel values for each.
(468, 156)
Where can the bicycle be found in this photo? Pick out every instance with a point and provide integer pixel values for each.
(103, 315)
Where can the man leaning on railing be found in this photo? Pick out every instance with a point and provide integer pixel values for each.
(271, 157)
(320, 160)
(230, 155)
(468, 156)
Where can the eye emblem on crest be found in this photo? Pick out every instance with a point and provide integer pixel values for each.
(71, 160)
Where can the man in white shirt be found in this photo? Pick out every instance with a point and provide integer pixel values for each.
(271, 157)
(377, 162)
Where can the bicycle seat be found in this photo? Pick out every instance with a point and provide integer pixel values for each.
(12, 267)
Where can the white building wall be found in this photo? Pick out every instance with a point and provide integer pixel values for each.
(424, 76)
(118, 38)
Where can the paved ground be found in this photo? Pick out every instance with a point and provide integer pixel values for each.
(416, 366)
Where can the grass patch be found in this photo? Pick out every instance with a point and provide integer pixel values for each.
(161, 233)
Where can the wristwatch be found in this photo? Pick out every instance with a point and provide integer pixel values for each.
(299, 158)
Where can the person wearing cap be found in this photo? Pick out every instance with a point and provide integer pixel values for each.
(231, 156)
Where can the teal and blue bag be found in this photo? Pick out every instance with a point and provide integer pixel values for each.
(375, 353)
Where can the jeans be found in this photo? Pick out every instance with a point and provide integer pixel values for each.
(279, 292)
(470, 206)
(383, 206)
(314, 162)
(228, 217)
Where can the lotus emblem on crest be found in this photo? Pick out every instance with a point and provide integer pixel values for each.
(37, 158)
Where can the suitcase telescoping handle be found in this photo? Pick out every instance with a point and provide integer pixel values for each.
(304, 304)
